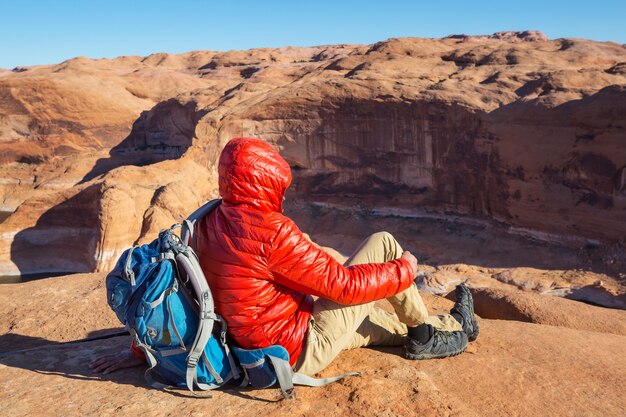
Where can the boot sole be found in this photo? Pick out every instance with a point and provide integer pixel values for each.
(425, 356)
(474, 335)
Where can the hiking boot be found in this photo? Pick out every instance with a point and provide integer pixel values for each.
(464, 308)
(440, 345)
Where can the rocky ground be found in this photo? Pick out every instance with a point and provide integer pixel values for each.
(536, 355)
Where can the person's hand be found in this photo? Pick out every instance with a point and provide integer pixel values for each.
(112, 362)
(412, 260)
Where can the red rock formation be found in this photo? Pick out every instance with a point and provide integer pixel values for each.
(511, 126)
(505, 304)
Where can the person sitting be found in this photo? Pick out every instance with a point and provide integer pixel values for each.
(273, 286)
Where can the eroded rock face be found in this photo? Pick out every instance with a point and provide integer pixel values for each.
(508, 304)
(536, 150)
(88, 226)
(510, 126)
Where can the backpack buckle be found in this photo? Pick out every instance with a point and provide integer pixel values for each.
(290, 394)
(192, 361)
(208, 315)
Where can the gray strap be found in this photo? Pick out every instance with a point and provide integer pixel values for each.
(152, 362)
(246, 379)
(128, 271)
(234, 369)
(284, 374)
(287, 379)
(189, 224)
(158, 301)
(172, 322)
(172, 352)
(190, 373)
(253, 364)
(153, 382)
(211, 369)
(301, 379)
(206, 315)
(205, 387)
(200, 385)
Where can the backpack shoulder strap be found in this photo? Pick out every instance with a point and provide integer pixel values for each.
(206, 315)
(190, 222)
(206, 319)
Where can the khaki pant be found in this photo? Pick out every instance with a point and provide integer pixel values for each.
(335, 327)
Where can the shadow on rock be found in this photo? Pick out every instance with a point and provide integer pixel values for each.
(70, 359)
(597, 295)
(61, 242)
(164, 132)
(436, 240)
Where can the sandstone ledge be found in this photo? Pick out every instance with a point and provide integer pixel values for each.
(514, 368)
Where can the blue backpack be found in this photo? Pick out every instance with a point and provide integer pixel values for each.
(158, 291)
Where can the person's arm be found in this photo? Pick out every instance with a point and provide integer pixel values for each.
(297, 263)
(114, 361)
(111, 362)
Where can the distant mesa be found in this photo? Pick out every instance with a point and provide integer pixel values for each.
(508, 36)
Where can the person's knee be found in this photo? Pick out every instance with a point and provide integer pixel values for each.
(389, 245)
(383, 236)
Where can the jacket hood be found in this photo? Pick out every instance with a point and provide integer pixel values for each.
(253, 173)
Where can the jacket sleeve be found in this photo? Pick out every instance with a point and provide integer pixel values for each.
(298, 264)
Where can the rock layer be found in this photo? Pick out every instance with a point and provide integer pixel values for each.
(512, 127)
(528, 307)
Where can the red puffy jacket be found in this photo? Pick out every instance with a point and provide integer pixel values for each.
(261, 270)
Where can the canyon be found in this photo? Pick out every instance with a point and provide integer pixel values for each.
(514, 128)
(499, 160)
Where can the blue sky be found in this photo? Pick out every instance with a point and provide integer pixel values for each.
(42, 32)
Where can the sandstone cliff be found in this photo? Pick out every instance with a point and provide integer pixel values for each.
(513, 128)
